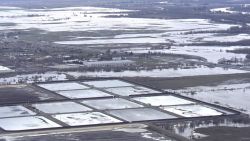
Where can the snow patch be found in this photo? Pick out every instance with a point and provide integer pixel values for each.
(162, 100)
(26, 123)
(90, 118)
(192, 111)
(60, 107)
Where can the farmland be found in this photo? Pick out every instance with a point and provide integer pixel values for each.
(52, 55)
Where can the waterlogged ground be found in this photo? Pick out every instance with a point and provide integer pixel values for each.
(105, 27)
(102, 28)
(32, 78)
(230, 95)
(207, 130)
(166, 73)
(211, 53)
(121, 28)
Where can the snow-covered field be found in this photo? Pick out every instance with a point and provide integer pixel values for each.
(115, 103)
(163, 100)
(138, 40)
(60, 107)
(15, 111)
(192, 111)
(223, 10)
(63, 86)
(59, 19)
(32, 78)
(98, 19)
(212, 54)
(127, 91)
(108, 83)
(167, 73)
(140, 114)
(94, 18)
(4, 69)
(228, 10)
(26, 123)
(176, 37)
(88, 93)
(230, 95)
(231, 38)
(90, 118)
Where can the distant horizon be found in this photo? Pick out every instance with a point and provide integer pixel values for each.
(41, 3)
(65, 3)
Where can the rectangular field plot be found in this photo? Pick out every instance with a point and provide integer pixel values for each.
(60, 107)
(114, 103)
(89, 118)
(26, 123)
(24, 94)
(192, 111)
(15, 111)
(108, 83)
(88, 93)
(63, 86)
(140, 114)
(127, 91)
(162, 100)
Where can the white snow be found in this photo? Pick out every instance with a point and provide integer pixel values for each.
(60, 107)
(164, 2)
(112, 63)
(115, 103)
(140, 114)
(89, 118)
(26, 123)
(228, 10)
(15, 111)
(174, 36)
(63, 19)
(204, 37)
(192, 111)
(212, 54)
(5, 69)
(223, 10)
(153, 137)
(178, 37)
(132, 128)
(9, 7)
(63, 86)
(222, 87)
(148, 40)
(231, 38)
(127, 91)
(95, 19)
(163, 100)
(31, 78)
(167, 73)
(107, 83)
(88, 93)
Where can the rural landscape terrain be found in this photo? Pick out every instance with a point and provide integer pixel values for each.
(195, 50)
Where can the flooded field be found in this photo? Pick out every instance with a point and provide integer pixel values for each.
(231, 95)
(195, 51)
(160, 72)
